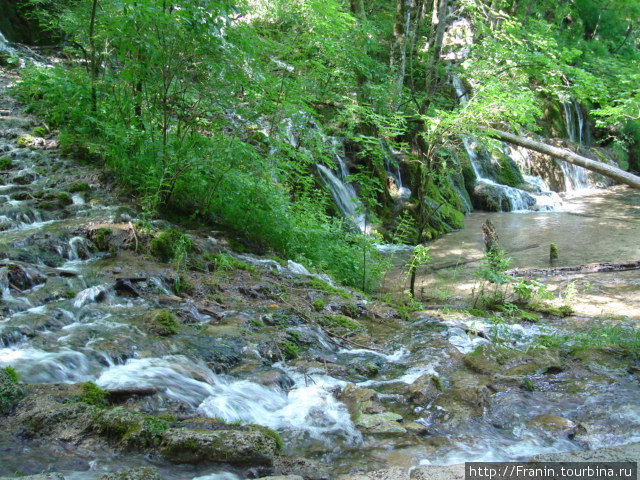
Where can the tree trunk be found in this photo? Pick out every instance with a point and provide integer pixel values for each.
(439, 22)
(571, 157)
(357, 8)
(399, 47)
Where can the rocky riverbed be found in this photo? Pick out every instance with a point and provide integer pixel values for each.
(137, 346)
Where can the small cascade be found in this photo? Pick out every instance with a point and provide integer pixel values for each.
(394, 174)
(576, 177)
(509, 198)
(343, 193)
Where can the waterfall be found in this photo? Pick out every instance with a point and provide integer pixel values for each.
(576, 177)
(392, 167)
(517, 199)
(343, 193)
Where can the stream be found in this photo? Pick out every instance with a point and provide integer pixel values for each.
(64, 321)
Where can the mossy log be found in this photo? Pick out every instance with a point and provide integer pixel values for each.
(571, 157)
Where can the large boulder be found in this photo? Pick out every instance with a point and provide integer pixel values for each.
(492, 197)
(243, 446)
(489, 359)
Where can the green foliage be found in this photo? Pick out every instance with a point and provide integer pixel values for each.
(5, 163)
(340, 321)
(40, 132)
(289, 349)
(319, 284)
(222, 262)
(553, 252)
(92, 395)
(318, 305)
(79, 187)
(101, 239)
(170, 245)
(11, 374)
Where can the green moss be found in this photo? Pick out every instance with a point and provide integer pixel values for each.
(319, 284)
(12, 374)
(182, 285)
(47, 205)
(222, 262)
(101, 239)
(270, 433)
(64, 198)
(40, 132)
(93, 395)
(437, 382)
(289, 349)
(553, 252)
(507, 172)
(79, 187)
(10, 391)
(25, 141)
(318, 305)
(162, 323)
(5, 163)
(333, 321)
(168, 243)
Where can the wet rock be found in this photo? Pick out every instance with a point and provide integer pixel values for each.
(381, 311)
(273, 378)
(250, 447)
(130, 430)
(555, 425)
(451, 472)
(134, 474)
(492, 359)
(622, 453)
(303, 467)
(386, 422)
(281, 477)
(495, 198)
(21, 276)
(424, 390)
(259, 291)
(360, 400)
(396, 473)
(456, 406)
(43, 476)
(11, 392)
(45, 413)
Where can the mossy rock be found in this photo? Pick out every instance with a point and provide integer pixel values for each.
(130, 430)
(79, 187)
(25, 141)
(238, 447)
(167, 244)
(40, 132)
(64, 198)
(489, 359)
(161, 322)
(11, 392)
(93, 395)
(6, 163)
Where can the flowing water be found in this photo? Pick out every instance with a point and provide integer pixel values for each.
(64, 321)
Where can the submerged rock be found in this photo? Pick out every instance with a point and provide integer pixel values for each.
(555, 425)
(424, 390)
(386, 422)
(134, 474)
(303, 467)
(43, 476)
(245, 447)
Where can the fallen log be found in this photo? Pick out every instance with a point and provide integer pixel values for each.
(603, 267)
(569, 156)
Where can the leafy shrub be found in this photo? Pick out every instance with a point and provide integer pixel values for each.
(170, 244)
(5, 163)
